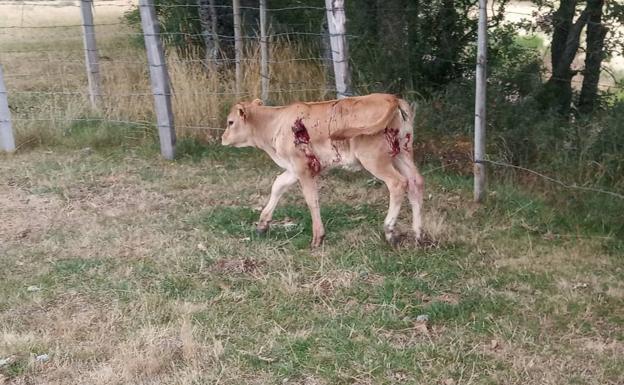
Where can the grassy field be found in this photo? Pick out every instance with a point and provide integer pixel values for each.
(126, 269)
(117, 267)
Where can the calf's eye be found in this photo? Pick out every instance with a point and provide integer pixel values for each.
(230, 122)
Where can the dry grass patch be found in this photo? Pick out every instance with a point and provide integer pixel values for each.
(144, 277)
(328, 283)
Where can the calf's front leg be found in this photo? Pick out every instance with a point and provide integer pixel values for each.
(281, 184)
(310, 193)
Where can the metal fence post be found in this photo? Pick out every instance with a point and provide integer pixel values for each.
(336, 20)
(91, 54)
(264, 52)
(7, 141)
(159, 78)
(480, 103)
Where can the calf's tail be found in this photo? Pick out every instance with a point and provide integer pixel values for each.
(407, 113)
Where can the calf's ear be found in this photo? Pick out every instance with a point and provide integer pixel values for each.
(241, 111)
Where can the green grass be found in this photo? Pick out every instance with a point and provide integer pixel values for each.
(134, 255)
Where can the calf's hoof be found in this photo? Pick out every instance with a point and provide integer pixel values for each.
(394, 241)
(260, 231)
(317, 242)
(395, 238)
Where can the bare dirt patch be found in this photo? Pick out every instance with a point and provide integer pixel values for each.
(26, 217)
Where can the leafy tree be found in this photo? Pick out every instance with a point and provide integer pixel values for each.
(565, 21)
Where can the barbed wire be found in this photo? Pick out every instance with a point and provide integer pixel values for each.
(172, 93)
(188, 61)
(221, 36)
(113, 3)
(101, 3)
(551, 179)
(56, 26)
(144, 123)
(319, 60)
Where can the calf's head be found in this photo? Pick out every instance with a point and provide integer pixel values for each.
(238, 132)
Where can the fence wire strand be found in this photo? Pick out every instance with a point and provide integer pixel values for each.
(551, 179)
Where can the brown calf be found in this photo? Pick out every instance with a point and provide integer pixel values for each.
(305, 139)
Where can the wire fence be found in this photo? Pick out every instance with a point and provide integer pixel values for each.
(54, 76)
(44, 68)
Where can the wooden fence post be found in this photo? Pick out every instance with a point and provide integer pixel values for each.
(480, 103)
(91, 54)
(7, 141)
(238, 45)
(264, 52)
(159, 78)
(326, 57)
(336, 20)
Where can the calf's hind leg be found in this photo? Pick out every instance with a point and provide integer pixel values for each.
(311, 195)
(281, 184)
(383, 169)
(415, 189)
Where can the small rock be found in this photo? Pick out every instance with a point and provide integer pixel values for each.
(42, 358)
(5, 361)
(422, 318)
(33, 288)
(201, 247)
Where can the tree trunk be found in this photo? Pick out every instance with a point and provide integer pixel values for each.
(208, 21)
(596, 33)
(566, 37)
(562, 22)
